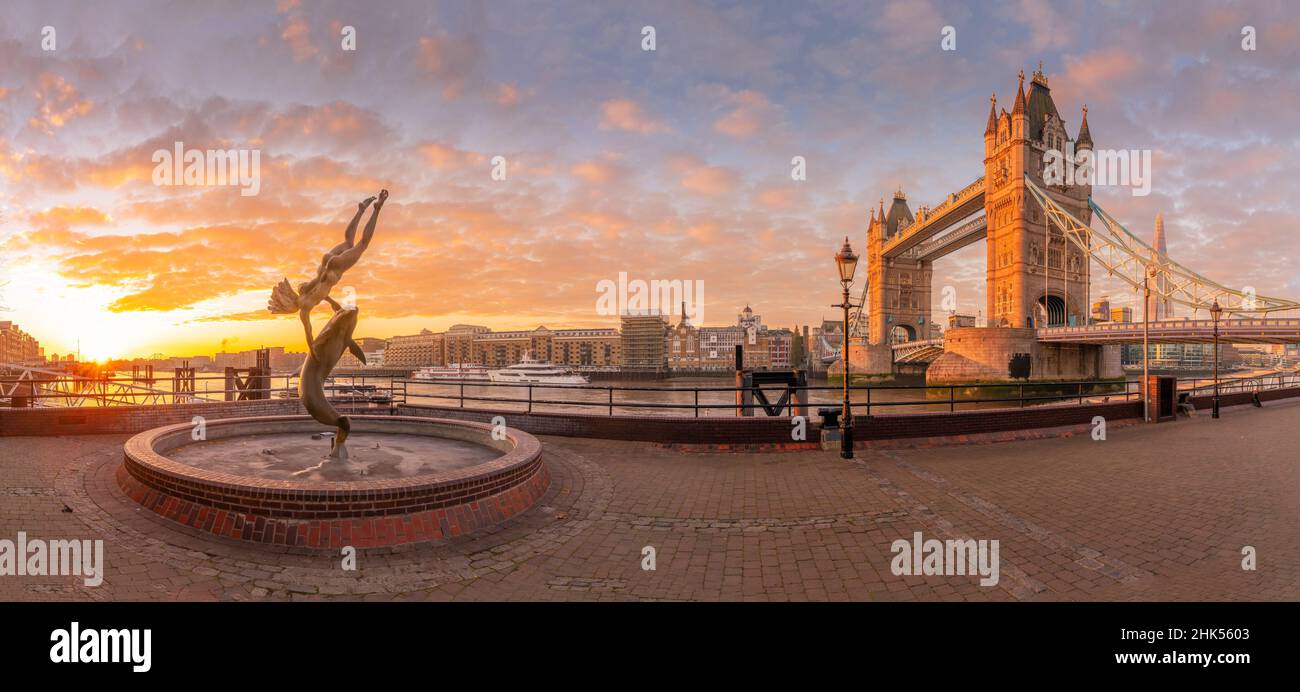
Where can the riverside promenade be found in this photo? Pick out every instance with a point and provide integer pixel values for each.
(1153, 512)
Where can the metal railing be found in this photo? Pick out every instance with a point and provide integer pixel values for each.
(1229, 385)
(1206, 326)
(865, 398)
(68, 391)
(693, 401)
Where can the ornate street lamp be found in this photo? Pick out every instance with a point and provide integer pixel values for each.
(1215, 311)
(847, 262)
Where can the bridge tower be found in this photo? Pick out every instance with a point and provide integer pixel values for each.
(1035, 277)
(898, 298)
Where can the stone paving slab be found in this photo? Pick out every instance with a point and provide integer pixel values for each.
(1151, 513)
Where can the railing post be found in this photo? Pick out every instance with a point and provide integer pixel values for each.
(952, 398)
(1022, 396)
(462, 393)
(1081, 394)
(530, 397)
(611, 400)
(697, 402)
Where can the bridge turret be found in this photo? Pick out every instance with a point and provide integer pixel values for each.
(1084, 140)
(991, 130)
(1019, 118)
(900, 216)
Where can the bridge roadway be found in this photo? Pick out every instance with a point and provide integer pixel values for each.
(1231, 331)
(930, 222)
(968, 233)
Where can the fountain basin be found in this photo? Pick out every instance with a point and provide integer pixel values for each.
(425, 479)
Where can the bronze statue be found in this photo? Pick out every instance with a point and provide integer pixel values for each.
(321, 359)
(324, 350)
(340, 258)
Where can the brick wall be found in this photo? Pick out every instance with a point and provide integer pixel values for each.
(1205, 402)
(976, 422)
(643, 428)
(764, 430)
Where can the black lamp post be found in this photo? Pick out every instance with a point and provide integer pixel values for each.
(1215, 311)
(1147, 394)
(846, 261)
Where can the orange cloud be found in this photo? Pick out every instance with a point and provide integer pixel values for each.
(297, 35)
(17, 166)
(59, 103)
(749, 116)
(706, 232)
(1099, 72)
(336, 125)
(71, 216)
(776, 197)
(609, 225)
(701, 178)
(445, 156)
(625, 114)
(597, 171)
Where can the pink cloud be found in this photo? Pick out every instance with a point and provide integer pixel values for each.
(750, 115)
(1098, 73)
(445, 156)
(452, 61)
(625, 114)
(598, 171)
(297, 35)
(777, 197)
(507, 95)
(701, 178)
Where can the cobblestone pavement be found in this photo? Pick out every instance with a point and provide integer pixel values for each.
(1153, 512)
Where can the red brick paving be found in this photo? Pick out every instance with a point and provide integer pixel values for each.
(1153, 512)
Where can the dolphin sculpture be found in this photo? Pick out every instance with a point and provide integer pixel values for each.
(322, 355)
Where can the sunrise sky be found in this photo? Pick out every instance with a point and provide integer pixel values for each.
(672, 164)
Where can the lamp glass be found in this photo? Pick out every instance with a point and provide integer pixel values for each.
(847, 262)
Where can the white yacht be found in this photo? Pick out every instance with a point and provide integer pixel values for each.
(456, 371)
(531, 371)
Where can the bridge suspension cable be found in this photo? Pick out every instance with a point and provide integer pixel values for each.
(858, 320)
(1128, 257)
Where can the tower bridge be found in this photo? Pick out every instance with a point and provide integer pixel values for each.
(1041, 251)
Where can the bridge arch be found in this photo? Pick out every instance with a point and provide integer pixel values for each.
(1050, 311)
(902, 333)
